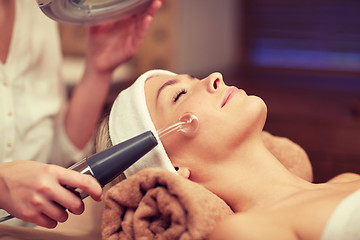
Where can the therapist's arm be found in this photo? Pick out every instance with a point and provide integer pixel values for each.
(108, 47)
(35, 192)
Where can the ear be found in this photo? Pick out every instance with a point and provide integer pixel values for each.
(183, 172)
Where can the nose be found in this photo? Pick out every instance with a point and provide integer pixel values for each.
(213, 81)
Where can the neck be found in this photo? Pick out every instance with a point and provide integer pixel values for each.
(254, 179)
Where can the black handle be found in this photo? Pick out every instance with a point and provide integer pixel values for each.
(109, 164)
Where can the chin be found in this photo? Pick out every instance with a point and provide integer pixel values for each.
(255, 114)
(258, 105)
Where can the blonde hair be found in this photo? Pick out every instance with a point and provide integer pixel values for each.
(103, 142)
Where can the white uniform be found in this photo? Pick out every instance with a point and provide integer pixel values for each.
(32, 95)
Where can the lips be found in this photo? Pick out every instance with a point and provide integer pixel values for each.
(230, 92)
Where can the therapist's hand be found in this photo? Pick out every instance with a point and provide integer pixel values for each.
(35, 192)
(113, 44)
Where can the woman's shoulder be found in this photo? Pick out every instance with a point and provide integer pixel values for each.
(292, 219)
(251, 225)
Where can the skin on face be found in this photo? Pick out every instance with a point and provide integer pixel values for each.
(227, 117)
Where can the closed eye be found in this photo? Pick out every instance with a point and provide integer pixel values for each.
(179, 94)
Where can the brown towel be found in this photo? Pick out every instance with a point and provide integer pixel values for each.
(157, 204)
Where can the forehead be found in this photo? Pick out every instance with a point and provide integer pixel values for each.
(158, 81)
(154, 83)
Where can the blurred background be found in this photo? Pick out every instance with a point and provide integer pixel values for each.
(301, 57)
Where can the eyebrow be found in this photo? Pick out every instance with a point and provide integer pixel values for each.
(168, 83)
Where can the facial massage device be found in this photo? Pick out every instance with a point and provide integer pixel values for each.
(110, 163)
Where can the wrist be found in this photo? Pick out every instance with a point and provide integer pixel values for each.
(101, 66)
(92, 73)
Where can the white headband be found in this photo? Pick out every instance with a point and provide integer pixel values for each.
(129, 116)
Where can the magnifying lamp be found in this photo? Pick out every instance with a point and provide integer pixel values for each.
(91, 12)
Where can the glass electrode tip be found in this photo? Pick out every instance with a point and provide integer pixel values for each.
(188, 124)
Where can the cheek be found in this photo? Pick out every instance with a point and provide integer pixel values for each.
(231, 127)
(194, 105)
(221, 129)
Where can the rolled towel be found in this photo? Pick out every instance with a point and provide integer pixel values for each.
(158, 204)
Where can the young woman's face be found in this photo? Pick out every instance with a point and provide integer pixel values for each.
(227, 115)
